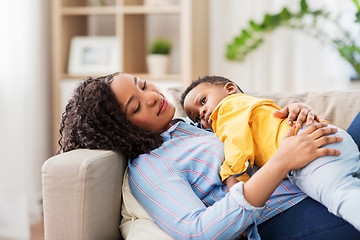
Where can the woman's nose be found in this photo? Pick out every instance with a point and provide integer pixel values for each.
(152, 98)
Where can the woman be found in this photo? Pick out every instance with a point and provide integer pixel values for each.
(174, 167)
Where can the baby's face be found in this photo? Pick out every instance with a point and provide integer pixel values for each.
(201, 101)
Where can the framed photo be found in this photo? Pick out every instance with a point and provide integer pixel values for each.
(94, 55)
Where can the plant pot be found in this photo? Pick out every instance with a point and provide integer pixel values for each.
(158, 64)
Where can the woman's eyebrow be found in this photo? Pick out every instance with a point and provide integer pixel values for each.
(128, 103)
(132, 97)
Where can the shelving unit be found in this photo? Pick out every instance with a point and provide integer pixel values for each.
(71, 18)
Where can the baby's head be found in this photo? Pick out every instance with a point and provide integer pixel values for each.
(203, 95)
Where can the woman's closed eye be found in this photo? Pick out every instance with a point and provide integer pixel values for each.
(137, 109)
(144, 86)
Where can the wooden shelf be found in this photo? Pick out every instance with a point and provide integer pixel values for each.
(128, 22)
(117, 10)
(151, 10)
(88, 10)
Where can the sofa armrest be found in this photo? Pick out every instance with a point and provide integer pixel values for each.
(82, 195)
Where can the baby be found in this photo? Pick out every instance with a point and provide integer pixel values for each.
(251, 135)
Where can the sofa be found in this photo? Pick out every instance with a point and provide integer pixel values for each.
(83, 189)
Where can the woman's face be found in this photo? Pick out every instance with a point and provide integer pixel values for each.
(144, 106)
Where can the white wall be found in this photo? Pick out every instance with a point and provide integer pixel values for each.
(287, 61)
(24, 112)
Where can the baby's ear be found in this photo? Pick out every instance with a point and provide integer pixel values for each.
(231, 88)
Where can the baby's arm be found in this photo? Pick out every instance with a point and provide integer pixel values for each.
(230, 181)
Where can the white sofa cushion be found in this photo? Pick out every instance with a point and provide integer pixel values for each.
(136, 223)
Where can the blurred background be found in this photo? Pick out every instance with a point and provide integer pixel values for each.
(309, 46)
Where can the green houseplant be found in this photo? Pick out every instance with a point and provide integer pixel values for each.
(158, 59)
(160, 46)
(253, 36)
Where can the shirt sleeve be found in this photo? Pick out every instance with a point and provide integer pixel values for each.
(233, 127)
(174, 206)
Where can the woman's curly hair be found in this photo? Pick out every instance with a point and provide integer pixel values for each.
(93, 119)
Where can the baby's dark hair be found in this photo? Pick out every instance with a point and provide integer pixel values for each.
(216, 80)
(93, 119)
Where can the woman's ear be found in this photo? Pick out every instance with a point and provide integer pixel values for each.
(231, 88)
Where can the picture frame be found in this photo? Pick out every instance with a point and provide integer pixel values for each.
(94, 55)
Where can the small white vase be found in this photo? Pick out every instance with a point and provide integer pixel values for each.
(158, 64)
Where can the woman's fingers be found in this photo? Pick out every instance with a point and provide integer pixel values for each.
(322, 131)
(321, 134)
(306, 146)
(327, 152)
(327, 140)
(313, 128)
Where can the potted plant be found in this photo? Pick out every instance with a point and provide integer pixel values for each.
(252, 36)
(158, 59)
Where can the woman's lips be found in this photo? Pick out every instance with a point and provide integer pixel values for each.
(162, 105)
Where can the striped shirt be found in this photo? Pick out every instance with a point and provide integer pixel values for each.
(180, 187)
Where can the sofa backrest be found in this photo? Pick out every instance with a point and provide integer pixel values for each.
(338, 107)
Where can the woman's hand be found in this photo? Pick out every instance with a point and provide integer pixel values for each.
(300, 112)
(294, 152)
(303, 148)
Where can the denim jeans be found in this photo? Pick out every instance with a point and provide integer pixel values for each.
(307, 220)
(354, 129)
(334, 180)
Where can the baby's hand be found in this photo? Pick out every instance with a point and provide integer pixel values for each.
(231, 181)
(300, 112)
